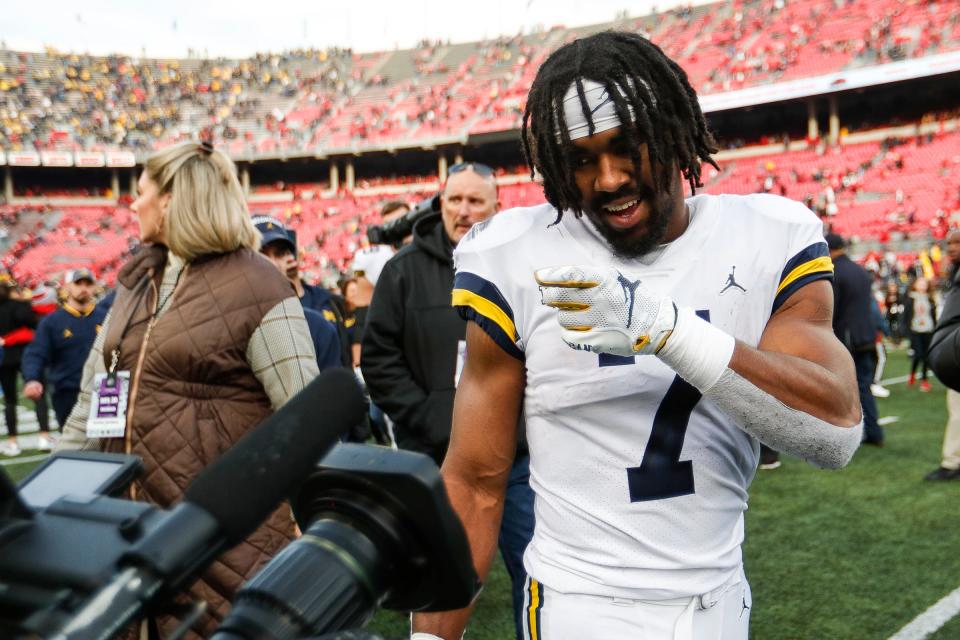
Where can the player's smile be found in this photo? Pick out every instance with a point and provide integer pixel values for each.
(625, 212)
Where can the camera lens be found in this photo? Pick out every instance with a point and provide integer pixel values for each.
(328, 580)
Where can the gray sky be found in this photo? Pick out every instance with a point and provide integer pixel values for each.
(242, 27)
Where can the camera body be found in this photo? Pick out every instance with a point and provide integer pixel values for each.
(395, 231)
(52, 562)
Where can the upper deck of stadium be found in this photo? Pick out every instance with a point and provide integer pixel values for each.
(55, 106)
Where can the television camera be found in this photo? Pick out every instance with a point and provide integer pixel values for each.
(79, 563)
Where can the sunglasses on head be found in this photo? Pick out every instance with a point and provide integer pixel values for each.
(476, 167)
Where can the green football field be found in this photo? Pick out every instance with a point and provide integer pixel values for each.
(856, 553)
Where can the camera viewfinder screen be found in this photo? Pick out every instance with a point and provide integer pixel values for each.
(66, 476)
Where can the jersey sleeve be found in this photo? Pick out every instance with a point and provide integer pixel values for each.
(808, 257)
(482, 289)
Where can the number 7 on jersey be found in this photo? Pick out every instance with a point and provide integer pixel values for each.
(661, 473)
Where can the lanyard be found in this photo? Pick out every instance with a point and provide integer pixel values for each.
(161, 304)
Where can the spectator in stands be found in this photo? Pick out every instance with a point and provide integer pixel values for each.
(17, 322)
(60, 347)
(413, 347)
(277, 245)
(854, 326)
(213, 340)
(944, 353)
(920, 316)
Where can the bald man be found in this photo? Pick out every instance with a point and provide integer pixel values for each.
(414, 349)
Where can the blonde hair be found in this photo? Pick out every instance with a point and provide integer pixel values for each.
(207, 211)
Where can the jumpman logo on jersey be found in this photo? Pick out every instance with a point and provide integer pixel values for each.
(745, 608)
(732, 282)
(629, 294)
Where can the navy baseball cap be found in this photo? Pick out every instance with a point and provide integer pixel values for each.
(75, 275)
(272, 230)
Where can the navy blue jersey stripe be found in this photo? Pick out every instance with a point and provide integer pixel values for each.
(815, 250)
(610, 360)
(492, 329)
(484, 288)
(796, 285)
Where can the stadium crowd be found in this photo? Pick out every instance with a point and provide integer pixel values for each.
(337, 98)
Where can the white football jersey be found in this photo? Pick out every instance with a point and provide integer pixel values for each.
(640, 484)
(369, 261)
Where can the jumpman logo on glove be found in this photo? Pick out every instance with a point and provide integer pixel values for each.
(629, 289)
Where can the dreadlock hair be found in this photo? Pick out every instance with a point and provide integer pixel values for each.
(638, 77)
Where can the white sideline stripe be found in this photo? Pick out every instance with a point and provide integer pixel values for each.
(13, 461)
(896, 380)
(885, 420)
(931, 619)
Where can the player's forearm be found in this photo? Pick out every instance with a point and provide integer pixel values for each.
(480, 510)
(801, 384)
(783, 428)
(799, 403)
(799, 364)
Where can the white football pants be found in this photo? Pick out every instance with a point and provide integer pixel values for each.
(722, 614)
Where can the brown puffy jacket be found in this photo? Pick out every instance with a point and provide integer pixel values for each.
(192, 392)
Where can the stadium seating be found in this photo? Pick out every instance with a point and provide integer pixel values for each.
(879, 189)
(335, 99)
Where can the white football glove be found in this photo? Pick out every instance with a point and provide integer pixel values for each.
(603, 310)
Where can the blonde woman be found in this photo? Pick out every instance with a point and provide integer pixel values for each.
(210, 339)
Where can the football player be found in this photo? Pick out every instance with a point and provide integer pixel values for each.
(646, 378)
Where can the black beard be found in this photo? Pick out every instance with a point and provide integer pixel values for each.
(625, 244)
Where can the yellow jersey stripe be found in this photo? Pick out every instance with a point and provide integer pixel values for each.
(486, 308)
(823, 264)
(532, 610)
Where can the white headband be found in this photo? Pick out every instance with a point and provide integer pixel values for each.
(602, 110)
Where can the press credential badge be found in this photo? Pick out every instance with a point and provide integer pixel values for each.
(108, 406)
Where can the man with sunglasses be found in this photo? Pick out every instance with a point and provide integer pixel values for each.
(410, 346)
(413, 345)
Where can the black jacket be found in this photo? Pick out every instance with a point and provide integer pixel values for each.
(944, 354)
(15, 314)
(409, 354)
(852, 298)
